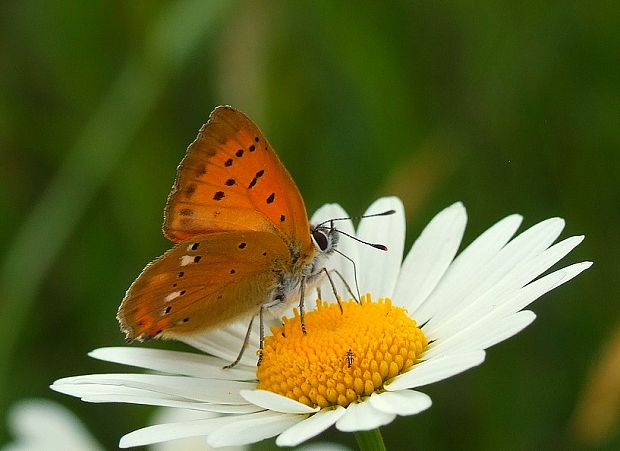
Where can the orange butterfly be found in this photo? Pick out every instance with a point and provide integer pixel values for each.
(243, 240)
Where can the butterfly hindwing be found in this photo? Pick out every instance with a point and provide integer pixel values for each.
(232, 180)
(202, 283)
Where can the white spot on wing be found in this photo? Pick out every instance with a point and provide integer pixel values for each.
(186, 260)
(172, 296)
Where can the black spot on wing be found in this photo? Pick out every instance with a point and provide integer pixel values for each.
(258, 175)
(201, 169)
(190, 190)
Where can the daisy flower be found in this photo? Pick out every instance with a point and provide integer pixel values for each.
(39, 424)
(435, 314)
(43, 425)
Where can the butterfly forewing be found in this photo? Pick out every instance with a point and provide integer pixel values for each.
(202, 283)
(232, 180)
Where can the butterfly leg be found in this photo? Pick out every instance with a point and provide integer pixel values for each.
(333, 285)
(331, 282)
(302, 288)
(357, 286)
(261, 340)
(356, 299)
(246, 340)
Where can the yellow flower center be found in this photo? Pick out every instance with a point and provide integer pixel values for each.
(344, 356)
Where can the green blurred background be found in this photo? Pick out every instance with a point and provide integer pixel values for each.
(507, 106)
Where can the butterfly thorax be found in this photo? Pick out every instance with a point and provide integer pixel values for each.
(305, 266)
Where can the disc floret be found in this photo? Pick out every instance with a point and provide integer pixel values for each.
(344, 357)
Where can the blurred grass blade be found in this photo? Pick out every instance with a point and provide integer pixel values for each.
(98, 149)
(596, 416)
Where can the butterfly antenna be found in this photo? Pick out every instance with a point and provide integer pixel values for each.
(381, 247)
(372, 215)
(375, 245)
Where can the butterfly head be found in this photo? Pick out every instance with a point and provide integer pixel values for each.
(325, 238)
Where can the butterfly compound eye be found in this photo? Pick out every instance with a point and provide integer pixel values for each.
(320, 239)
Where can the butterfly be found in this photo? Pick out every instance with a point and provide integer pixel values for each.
(243, 242)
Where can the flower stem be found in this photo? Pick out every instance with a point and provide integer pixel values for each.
(370, 440)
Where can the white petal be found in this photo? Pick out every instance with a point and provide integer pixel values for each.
(363, 416)
(174, 362)
(463, 270)
(401, 402)
(331, 211)
(528, 294)
(525, 296)
(430, 256)
(226, 342)
(45, 425)
(162, 402)
(214, 390)
(107, 392)
(322, 446)
(278, 403)
(435, 369)
(546, 260)
(97, 393)
(173, 431)
(529, 269)
(463, 337)
(79, 389)
(68, 387)
(531, 242)
(504, 290)
(482, 336)
(493, 280)
(310, 427)
(378, 270)
(507, 328)
(250, 430)
(162, 416)
(197, 443)
(345, 246)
